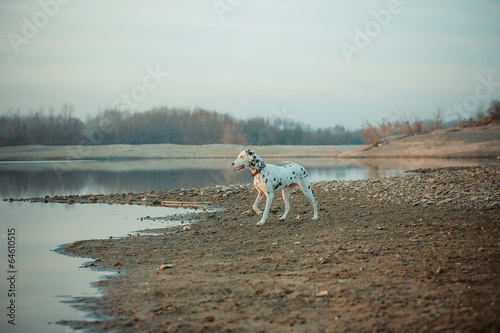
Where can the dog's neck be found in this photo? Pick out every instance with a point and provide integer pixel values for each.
(257, 165)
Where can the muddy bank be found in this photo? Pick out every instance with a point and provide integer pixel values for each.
(420, 252)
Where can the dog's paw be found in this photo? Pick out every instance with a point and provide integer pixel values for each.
(315, 218)
(258, 211)
(261, 222)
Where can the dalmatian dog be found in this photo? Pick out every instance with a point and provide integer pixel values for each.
(269, 178)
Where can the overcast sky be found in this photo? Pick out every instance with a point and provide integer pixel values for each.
(322, 62)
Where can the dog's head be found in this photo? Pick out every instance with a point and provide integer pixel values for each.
(247, 158)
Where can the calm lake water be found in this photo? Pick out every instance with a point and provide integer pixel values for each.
(48, 283)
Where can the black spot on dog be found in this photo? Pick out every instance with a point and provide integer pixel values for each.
(278, 185)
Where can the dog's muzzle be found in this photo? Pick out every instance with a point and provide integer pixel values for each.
(241, 167)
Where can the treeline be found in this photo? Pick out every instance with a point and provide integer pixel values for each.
(41, 128)
(163, 125)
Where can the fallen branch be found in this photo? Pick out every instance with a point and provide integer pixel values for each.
(185, 202)
(181, 205)
(195, 204)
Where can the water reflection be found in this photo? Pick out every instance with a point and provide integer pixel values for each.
(62, 178)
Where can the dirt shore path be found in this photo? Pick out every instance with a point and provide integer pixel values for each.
(415, 253)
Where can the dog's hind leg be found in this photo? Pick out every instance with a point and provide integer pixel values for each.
(306, 188)
(286, 198)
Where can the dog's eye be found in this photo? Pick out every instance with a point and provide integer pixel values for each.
(240, 157)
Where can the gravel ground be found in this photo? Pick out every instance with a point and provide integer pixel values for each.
(465, 187)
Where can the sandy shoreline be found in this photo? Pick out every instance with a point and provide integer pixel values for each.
(418, 252)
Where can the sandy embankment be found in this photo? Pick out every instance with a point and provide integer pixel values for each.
(471, 142)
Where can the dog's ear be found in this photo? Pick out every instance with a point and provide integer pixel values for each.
(250, 152)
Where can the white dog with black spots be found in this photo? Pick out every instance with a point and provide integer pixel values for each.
(269, 178)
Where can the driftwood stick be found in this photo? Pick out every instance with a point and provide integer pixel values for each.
(185, 202)
(180, 205)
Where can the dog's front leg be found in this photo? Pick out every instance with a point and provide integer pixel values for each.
(270, 196)
(259, 198)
